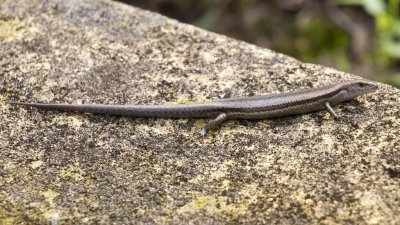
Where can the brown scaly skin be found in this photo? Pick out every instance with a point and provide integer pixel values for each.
(258, 107)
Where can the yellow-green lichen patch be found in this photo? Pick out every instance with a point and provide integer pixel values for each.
(73, 121)
(218, 205)
(72, 172)
(36, 164)
(51, 213)
(373, 207)
(8, 221)
(9, 28)
(208, 57)
(36, 63)
(204, 79)
(3, 103)
(207, 203)
(49, 196)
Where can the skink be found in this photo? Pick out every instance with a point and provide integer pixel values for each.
(257, 107)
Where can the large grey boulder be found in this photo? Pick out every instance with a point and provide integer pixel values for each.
(75, 168)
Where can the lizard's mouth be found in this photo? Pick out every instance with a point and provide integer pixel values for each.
(369, 87)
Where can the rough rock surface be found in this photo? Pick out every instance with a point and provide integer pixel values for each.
(69, 168)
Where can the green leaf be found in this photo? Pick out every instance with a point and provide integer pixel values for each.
(373, 7)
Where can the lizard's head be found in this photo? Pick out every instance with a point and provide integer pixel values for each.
(356, 88)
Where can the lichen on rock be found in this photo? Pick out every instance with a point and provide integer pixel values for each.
(73, 168)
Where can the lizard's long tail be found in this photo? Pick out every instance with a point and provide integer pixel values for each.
(163, 111)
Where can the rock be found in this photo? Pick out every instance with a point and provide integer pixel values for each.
(74, 168)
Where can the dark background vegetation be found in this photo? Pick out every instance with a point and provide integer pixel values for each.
(356, 36)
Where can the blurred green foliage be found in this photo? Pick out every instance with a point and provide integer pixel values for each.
(387, 25)
(357, 36)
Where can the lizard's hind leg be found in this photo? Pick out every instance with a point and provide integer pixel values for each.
(214, 123)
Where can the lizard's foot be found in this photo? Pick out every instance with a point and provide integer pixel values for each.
(213, 123)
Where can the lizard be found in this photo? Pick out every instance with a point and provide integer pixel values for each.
(221, 110)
